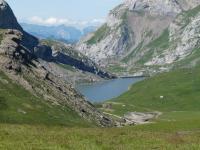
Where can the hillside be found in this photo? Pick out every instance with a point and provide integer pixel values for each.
(19, 106)
(177, 128)
(172, 91)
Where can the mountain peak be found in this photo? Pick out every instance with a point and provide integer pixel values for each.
(7, 17)
(163, 7)
(3, 3)
(169, 7)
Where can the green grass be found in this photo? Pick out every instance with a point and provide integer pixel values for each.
(180, 105)
(116, 68)
(180, 90)
(162, 42)
(132, 54)
(178, 128)
(188, 15)
(23, 137)
(19, 106)
(156, 46)
(190, 61)
(99, 34)
(192, 12)
(179, 125)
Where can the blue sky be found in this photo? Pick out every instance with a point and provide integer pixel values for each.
(52, 12)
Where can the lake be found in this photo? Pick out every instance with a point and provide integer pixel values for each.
(105, 90)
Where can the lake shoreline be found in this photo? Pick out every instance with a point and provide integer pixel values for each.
(105, 90)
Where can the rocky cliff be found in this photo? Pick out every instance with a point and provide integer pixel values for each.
(9, 21)
(130, 27)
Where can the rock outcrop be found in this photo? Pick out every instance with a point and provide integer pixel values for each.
(184, 38)
(61, 53)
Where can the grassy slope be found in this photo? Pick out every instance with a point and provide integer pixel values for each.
(19, 106)
(99, 35)
(25, 137)
(180, 90)
(177, 128)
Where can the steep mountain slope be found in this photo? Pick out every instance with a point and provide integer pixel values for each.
(20, 66)
(9, 21)
(130, 27)
(176, 45)
(19, 106)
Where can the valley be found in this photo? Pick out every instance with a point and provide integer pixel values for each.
(131, 84)
(177, 128)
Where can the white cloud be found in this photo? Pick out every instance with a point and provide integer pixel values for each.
(59, 21)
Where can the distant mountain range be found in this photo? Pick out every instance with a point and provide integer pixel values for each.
(67, 34)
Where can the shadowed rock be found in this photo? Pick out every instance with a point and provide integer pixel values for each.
(9, 21)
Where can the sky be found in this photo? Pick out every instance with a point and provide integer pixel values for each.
(69, 12)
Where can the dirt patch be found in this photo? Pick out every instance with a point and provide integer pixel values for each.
(137, 118)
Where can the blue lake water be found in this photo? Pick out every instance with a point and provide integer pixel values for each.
(105, 90)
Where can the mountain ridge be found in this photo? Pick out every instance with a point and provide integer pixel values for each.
(63, 33)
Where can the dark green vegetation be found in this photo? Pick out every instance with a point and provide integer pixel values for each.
(19, 106)
(99, 35)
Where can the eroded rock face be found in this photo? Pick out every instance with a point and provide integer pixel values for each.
(165, 7)
(133, 24)
(184, 38)
(12, 48)
(161, 7)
